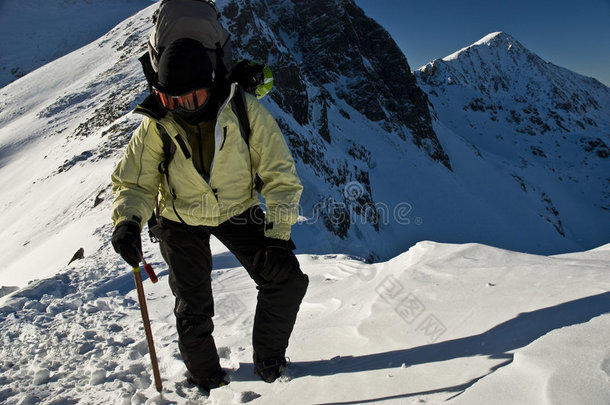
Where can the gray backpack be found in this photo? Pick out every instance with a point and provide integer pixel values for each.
(196, 19)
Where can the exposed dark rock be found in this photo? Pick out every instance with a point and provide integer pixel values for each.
(334, 45)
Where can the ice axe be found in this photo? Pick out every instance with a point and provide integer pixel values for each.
(144, 310)
(149, 270)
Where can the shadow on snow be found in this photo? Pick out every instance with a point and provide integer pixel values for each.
(496, 343)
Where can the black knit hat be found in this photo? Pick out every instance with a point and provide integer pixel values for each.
(184, 66)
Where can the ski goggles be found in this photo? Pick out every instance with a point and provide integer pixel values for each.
(190, 101)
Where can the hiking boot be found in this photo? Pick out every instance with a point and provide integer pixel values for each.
(269, 369)
(219, 380)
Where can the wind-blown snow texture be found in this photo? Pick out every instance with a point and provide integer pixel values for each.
(464, 323)
(382, 170)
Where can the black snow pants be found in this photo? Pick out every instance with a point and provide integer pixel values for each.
(186, 249)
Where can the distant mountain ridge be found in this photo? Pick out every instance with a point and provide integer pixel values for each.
(499, 72)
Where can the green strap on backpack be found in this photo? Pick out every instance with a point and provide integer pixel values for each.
(253, 77)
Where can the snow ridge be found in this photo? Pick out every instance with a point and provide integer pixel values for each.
(488, 318)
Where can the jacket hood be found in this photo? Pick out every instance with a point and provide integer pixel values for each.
(150, 107)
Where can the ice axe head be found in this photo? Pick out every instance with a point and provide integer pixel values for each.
(150, 272)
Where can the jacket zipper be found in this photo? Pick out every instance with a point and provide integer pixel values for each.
(224, 138)
(200, 146)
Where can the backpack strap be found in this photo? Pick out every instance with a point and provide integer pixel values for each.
(169, 150)
(149, 71)
(238, 103)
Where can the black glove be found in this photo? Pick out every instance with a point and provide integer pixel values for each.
(276, 261)
(127, 242)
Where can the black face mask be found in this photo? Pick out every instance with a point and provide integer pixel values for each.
(209, 111)
(206, 113)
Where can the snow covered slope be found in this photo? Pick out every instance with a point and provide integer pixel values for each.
(35, 32)
(440, 323)
(61, 129)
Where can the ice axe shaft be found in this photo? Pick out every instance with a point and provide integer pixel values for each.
(149, 338)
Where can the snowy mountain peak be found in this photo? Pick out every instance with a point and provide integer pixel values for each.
(496, 41)
(494, 58)
(526, 113)
(498, 72)
(494, 38)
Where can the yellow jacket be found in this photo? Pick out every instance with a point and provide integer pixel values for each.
(137, 180)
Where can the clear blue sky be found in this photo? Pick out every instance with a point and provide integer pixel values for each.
(572, 34)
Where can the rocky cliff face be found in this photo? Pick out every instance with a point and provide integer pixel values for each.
(332, 47)
(333, 64)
